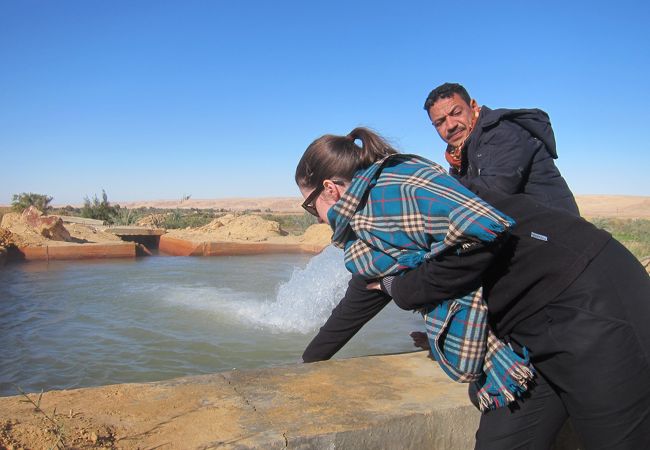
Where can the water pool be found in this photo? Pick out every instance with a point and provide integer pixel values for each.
(70, 324)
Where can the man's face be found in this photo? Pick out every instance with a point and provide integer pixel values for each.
(453, 118)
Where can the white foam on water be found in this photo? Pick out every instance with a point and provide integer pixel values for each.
(305, 301)
(218, 300)
(300, 305)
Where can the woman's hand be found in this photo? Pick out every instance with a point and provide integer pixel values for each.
(373, 286)
(420, 340)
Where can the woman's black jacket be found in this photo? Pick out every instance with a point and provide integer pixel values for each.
(544, 252)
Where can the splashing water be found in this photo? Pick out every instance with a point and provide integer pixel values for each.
(299, 305)
(306, 300)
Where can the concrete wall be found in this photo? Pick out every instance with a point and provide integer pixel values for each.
(183, 247)
(382, 402)
(73, 251)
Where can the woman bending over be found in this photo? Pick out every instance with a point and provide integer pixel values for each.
(559, 297)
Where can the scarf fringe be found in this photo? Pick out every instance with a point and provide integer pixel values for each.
(522, 376)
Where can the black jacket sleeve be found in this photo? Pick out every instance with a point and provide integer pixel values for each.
(450, 275)
(357, 307)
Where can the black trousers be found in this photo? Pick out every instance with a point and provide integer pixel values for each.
(591, 350)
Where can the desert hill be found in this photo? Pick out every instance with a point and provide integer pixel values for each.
(275, 204)
(622, 206)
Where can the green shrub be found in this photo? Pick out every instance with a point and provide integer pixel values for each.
(295, 224)
(633, 233)
(24, 200)
(182, 219)
(126, 216)
(100, 210)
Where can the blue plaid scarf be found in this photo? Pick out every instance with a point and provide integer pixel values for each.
(405, 209)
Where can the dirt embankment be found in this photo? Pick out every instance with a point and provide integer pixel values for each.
(235, 227)
(248, 228)
(33, 229)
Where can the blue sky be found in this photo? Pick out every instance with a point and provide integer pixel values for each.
(160, 99)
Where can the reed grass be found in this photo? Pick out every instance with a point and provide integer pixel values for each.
(632, 233)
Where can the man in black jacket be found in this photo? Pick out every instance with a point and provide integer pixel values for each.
(507, 150)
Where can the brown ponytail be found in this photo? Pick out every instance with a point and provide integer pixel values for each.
(332, 156)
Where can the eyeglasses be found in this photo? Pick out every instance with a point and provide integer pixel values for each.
(310, 202)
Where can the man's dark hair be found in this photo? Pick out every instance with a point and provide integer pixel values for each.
(445, 91)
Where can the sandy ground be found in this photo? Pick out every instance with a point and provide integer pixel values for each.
(619, 206)
(252, 228)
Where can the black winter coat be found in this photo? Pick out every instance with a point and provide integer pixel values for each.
(544, 253)
(512, 151)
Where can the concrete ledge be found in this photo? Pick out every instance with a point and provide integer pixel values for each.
(183, 247)
(384, 402)
(82, 220)
(134, 231)
(73, 251)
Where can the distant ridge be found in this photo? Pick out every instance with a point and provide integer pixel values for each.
(276, 204)
(622, 206)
